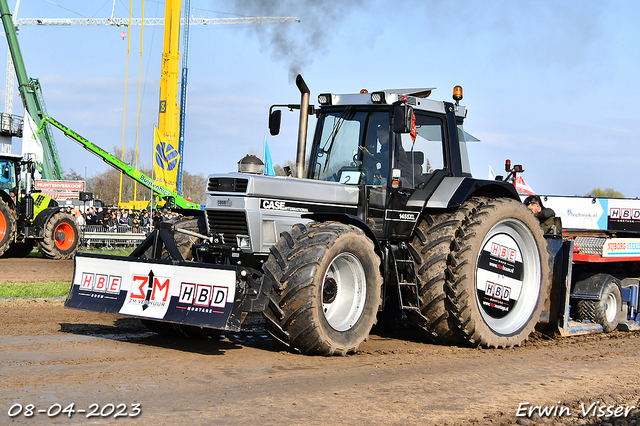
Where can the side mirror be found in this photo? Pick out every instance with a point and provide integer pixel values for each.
(275, 118)
(5, 172)
(402, 118)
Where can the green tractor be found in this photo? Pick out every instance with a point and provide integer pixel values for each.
(28, 217)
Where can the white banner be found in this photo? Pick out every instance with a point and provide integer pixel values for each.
(31, 145)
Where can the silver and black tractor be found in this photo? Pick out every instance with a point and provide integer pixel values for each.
(385, 215)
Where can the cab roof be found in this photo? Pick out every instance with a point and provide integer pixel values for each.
(416, 97)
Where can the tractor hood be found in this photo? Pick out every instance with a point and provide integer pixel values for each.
(284, 188)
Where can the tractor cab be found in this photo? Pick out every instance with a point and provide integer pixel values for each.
(397, 144)
(394, 139)
(9, 175)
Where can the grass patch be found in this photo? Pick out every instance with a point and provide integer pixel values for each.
(44, 289)
(113, 252)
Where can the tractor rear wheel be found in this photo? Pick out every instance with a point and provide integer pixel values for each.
(61, 237)
(324, 284)
(7, 226)
(484, 273)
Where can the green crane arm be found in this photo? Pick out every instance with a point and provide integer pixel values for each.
(28, 90)
(121, 166)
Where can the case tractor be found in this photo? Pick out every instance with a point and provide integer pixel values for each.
(385, 216)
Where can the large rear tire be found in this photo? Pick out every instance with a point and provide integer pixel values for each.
(7, 226)
(324, 286)
(61, 237)
(484, 273)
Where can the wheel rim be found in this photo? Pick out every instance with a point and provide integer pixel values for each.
(3, 226)
(343, 292)
(64, 236)
(508, 277)
(611, 308)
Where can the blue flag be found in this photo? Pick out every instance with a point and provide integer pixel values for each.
(268, 164)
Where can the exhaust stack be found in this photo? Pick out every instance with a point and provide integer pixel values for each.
(302, 127)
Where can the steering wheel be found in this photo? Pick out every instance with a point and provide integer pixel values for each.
(366, 155)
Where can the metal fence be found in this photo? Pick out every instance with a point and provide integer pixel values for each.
(101, 236)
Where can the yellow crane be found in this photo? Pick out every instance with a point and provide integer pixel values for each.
(166, 135)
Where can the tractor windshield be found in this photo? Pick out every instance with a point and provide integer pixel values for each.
(7, 176)
(352, 147)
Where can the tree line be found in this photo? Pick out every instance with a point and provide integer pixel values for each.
(106, 185)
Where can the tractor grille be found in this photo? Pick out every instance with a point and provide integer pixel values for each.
(228, 223)
(227, 185)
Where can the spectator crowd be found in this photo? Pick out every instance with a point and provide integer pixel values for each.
(115, 219)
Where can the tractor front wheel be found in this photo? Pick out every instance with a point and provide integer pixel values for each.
(324, 286)
(61, 237)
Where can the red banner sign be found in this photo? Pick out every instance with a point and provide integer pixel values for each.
(60, 185)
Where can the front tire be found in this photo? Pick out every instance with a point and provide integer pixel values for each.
(324, 286)
(484, 274)
(7, 226)
(61, 237)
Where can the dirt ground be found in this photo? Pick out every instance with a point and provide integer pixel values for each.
(53, 355)
(35, 269)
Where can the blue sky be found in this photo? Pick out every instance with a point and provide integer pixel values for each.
(548, 84)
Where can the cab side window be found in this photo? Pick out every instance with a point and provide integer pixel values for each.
(420, 157)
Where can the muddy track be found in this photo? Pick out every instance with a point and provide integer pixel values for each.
(52, 355)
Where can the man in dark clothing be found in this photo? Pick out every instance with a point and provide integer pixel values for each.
(545, 215)
(92, 216)
(99, 216)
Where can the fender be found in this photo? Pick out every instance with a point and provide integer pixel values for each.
(592, 286)
(470, 187)
(349, 220)
(452, 192)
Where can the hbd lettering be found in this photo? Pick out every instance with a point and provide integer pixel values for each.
(203, 295)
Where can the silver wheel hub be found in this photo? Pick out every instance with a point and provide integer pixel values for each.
(343, 292)
(611, 307)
